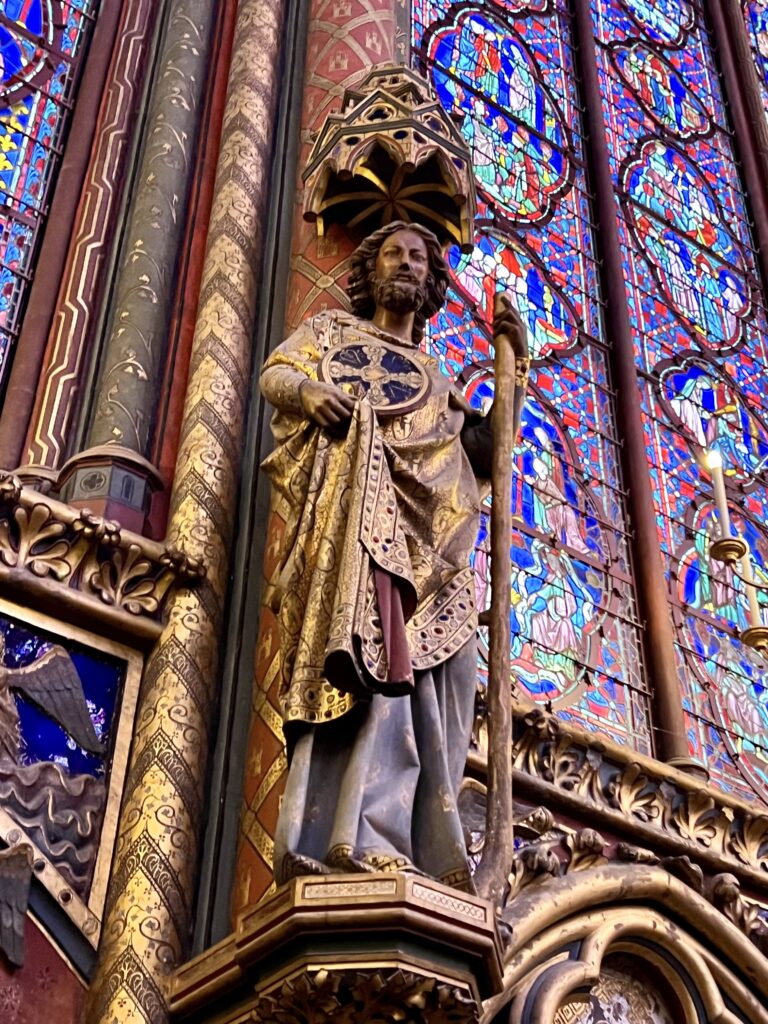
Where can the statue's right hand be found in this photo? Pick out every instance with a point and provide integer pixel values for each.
(326, 404)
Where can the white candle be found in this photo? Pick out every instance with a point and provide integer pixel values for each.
(755, 617)
(714, 463)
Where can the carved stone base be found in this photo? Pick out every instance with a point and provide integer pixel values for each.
(349, 948)
(112, 481)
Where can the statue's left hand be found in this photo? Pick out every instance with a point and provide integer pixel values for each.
(508, 323)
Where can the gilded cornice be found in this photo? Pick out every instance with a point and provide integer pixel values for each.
(639, 799)
(77, 564)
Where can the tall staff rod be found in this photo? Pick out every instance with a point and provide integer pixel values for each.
(496, 859)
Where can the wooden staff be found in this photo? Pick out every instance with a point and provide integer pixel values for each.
(496, 859)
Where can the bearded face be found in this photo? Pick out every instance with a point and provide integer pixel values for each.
(401, 294)
(399, 279)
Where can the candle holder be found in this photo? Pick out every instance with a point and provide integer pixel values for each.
(757, 637)
(728, 549)
(732, 550)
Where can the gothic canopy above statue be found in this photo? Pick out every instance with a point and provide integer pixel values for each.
(393, 153)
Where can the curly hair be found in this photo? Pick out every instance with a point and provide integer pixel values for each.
(363, 263)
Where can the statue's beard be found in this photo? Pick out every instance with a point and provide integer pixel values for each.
(399, 295)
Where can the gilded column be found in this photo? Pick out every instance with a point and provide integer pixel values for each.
(148, 916)
(117, 483)
(344, 41)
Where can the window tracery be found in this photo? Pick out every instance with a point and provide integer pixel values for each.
(699, 325)
(506, 70)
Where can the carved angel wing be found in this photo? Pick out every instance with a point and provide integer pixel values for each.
(52, 683)
(15, 879)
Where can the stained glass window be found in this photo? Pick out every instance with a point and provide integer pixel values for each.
(505, 71)
(756, 17)
(699, 329)
(41, 46)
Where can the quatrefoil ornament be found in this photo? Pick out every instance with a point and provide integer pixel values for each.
(392, 380)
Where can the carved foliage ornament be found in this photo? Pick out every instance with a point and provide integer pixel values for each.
(545, 859)
(382, 994)
(46, 540)
(638, 794)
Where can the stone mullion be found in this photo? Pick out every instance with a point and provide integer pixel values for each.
(652, 591)
(745, 102)
(132, 360)
(77, 304)
(147, 926)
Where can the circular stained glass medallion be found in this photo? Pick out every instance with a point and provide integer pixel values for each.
(392, 379)
(23, 60)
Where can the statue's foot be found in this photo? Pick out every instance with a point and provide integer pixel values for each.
(346, 859)
(349, 864)
(295, 865)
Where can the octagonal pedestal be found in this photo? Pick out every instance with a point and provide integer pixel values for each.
(348, 948)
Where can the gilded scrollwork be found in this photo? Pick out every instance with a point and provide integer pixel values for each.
(43, 539)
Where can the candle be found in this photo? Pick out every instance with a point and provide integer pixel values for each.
(755, 617)
(714, 462)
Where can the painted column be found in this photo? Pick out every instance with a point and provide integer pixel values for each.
(63, 217)
(148, 919)
(344, 41)
(77, 303)
(156, 223)
(119, 482)
(671, 739)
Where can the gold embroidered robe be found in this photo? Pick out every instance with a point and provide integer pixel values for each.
(395, 494)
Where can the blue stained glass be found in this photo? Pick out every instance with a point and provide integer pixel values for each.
(41, 44)
(665, 21)
(699, 326)
(496, 264)
(660, 90)
(507, 71)
(756, 17)
(698, 263)
(484, 73)
(524, 6)
(714, 416)
(42, 738)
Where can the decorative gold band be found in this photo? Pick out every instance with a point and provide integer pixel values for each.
(149, 904)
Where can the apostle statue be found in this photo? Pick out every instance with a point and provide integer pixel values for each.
(376, 459)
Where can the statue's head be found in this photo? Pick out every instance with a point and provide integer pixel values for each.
(374, 281)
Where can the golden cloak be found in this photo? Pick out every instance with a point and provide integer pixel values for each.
(396, 494)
